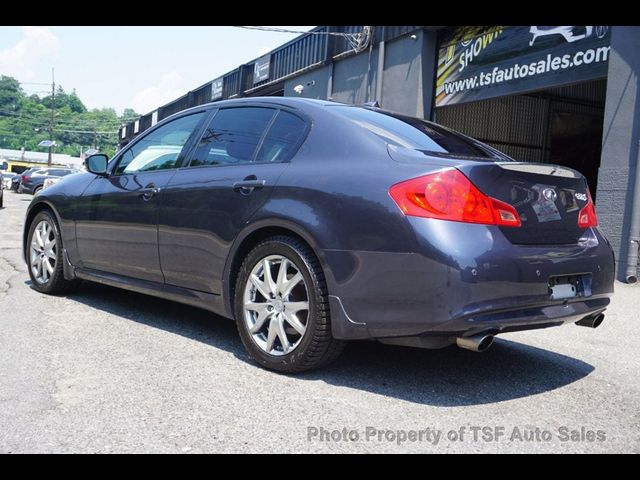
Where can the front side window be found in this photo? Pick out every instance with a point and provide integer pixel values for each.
(232, 136)
(160, 149)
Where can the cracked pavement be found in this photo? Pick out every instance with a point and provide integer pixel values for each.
(105, 370)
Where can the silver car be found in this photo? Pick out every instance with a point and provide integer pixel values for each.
(569, 33)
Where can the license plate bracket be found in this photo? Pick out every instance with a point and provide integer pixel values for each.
(563, 287)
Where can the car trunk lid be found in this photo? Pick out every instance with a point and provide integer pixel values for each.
(548, 199)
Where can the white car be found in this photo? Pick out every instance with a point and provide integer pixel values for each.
(6, 179)
(569, 33)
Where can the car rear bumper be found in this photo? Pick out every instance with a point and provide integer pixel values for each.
(463, 279)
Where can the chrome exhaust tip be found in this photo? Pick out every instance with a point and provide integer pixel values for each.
(478, 343)
(593, 321)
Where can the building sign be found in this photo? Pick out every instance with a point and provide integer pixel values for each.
(216, 89)
(261, 69)
(476, 63)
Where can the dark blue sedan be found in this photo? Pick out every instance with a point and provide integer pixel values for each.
(32, 181)
(312, 223)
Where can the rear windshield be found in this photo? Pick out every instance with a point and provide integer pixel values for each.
(410, 132)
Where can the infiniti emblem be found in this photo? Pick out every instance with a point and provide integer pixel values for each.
(550, 194)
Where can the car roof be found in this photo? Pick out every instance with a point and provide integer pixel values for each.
(291, 102)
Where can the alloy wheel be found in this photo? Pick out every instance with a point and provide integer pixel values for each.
(43, 252)
(276, 305)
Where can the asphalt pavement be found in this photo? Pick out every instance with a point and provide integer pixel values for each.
(105, 370)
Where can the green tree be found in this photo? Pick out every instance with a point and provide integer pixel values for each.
(25, 120)
(129, 114)
(10, 93)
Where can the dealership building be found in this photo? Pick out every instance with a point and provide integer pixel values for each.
(567, 95)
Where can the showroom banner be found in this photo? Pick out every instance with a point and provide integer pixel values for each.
(476, 63)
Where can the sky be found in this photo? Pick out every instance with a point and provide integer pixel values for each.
(136, 67)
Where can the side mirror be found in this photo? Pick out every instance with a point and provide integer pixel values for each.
(97, 164)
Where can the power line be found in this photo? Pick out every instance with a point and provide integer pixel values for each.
(6, 134)
(8, 112)
(85, 131)
(284, 30)
(357, 41)
(65, 128)
(42, 121)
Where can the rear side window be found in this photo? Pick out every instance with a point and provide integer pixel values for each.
(283, 138)
(410, 132)
(233, 136)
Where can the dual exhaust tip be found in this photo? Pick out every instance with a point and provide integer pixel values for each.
(480, 343)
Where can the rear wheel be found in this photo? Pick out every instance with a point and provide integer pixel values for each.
(282, 308)
(45, 256)
(36, 190)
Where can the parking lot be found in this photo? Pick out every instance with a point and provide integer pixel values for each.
(105, 370)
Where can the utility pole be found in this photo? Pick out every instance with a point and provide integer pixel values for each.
(53, 114)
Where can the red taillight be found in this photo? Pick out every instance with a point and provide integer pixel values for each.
(449, 195)
(587, 216)
(25, 178)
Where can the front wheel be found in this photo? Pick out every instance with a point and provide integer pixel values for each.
(282, 307)
(45, 256)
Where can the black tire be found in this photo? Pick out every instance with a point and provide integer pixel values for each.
(2, 201)
(56, 284)
(317, 347)
(36, 190)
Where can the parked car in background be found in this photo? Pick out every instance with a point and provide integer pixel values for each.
(1, 189)
(32, 181)
(313, 222)
(8, 178)
(15, 181)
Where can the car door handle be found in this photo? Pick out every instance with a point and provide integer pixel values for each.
(247, 186)
(149, 192)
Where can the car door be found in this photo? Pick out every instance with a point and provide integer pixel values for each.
(117, 217)
(231, 173)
